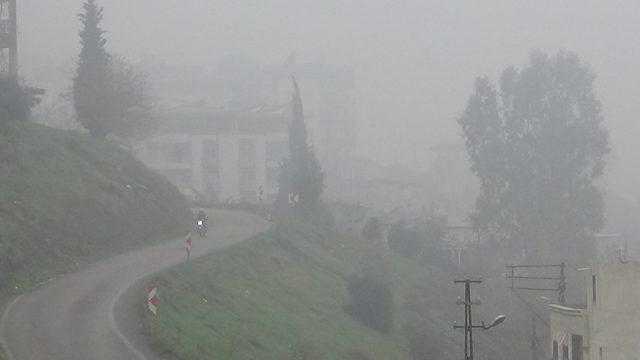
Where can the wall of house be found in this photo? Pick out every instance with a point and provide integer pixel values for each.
(564, 325)
(615, 310)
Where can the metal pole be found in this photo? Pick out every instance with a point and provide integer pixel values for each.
(466, 320)
(470, 324)
(562, 286)
(13, 45)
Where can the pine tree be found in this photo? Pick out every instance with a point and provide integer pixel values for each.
(91, 86)
(301, 175)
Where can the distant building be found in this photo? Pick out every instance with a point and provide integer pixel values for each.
(224, 130)
(608, 325)
(220, 156)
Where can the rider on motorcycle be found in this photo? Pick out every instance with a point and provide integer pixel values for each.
(202, 216)
(201, 222)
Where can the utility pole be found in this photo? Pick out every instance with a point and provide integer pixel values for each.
(468, 321)
(9, 37)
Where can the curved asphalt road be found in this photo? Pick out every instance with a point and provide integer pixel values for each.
(72, 317)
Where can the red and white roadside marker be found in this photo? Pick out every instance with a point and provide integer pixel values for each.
(152, 299)
(187, 243)
(294, 198)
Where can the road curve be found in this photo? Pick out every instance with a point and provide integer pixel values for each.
(72, 317)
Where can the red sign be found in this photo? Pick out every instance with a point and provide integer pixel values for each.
(152, 299)
(188, 242)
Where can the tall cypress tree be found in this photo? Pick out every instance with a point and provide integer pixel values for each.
(301, 174)
(91, 85)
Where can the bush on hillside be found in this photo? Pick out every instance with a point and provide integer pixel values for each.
(423, 244)
(405, 241)
(371, 303)
(16, 101)
(421, 347)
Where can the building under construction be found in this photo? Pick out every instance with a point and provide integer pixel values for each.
(8, 38)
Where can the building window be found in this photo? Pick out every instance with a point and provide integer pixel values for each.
(273, 180)
(210, 152)
(565, 352)
(594, 288)
(247, 152)
(555, 350)
(576, 347)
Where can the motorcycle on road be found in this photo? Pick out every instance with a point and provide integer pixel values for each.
(201, 228)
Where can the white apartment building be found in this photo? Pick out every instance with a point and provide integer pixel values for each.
(220, 156)
(224, 131)
(608, 326)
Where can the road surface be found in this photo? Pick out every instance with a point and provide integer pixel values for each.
(73, 317)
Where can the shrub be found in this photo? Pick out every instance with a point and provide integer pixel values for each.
(371, 303)
(15, 101)
(405, 241)
(421, 347)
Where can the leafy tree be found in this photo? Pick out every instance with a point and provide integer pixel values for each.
(301, 174)
(16, 101)
(537, 145)
(110, 95)
(129, 102)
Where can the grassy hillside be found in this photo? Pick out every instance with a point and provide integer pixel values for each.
(282, 295)
(66, 197)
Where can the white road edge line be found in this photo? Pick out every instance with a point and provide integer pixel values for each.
(114, 324)
(3, 323)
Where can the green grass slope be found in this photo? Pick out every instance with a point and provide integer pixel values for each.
(282, 295)
(66, 197)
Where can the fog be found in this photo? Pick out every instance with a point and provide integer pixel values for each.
(415, 61)
(415, 64)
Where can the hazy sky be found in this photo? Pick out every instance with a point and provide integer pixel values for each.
(415, 60)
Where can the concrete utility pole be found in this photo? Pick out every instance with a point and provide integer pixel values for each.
(9, 37)
(468, 322)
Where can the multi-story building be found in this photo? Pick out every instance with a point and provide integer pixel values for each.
(608, 325)
(220, 155)
(227, 131)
